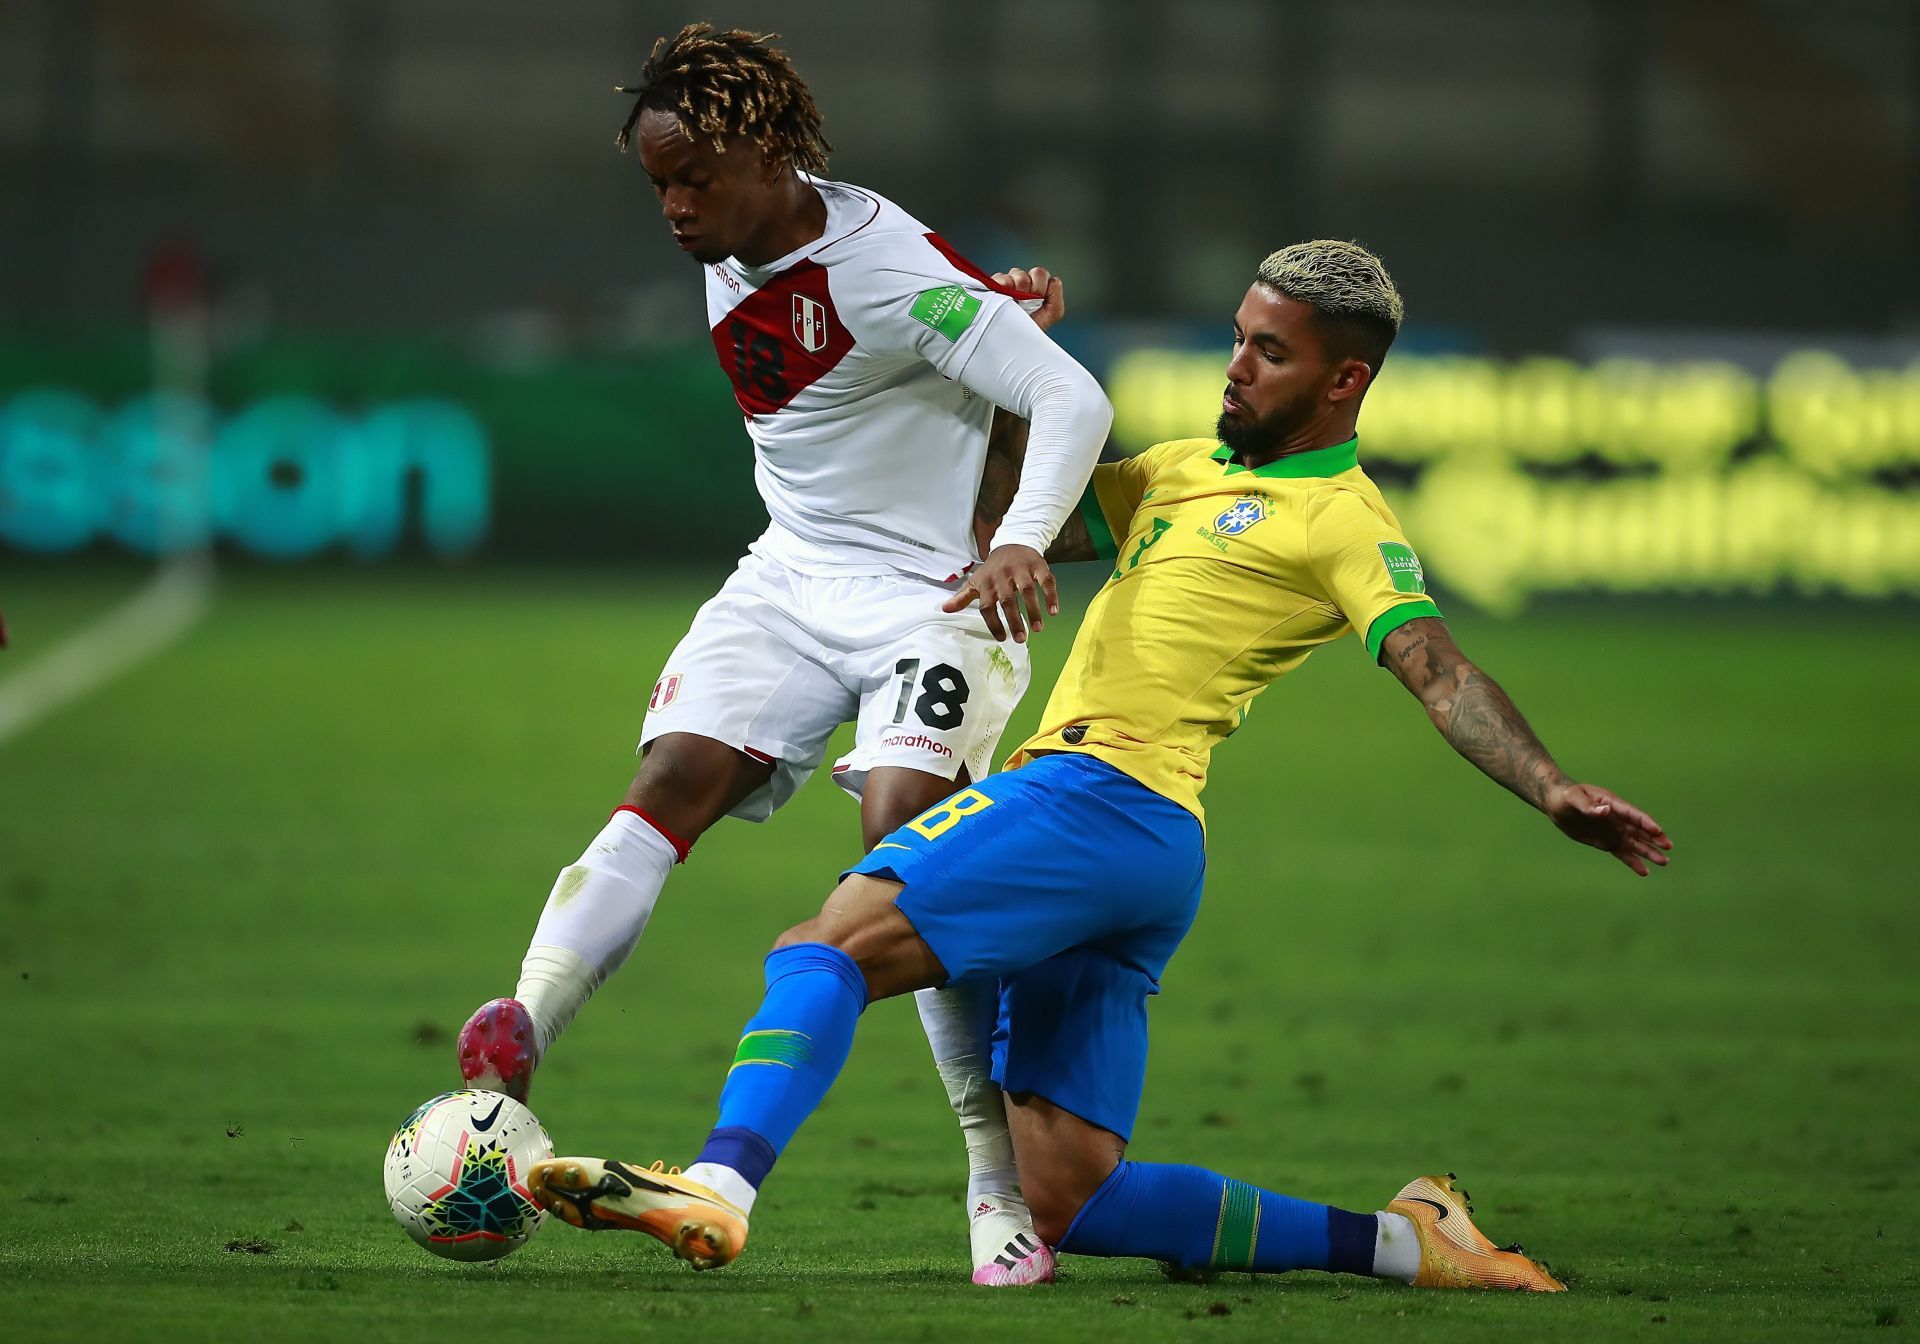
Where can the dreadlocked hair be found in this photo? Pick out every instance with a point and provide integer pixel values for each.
(726, 84)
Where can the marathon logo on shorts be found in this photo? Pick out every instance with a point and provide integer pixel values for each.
(918, 741)
(809, 324)
(664, 690)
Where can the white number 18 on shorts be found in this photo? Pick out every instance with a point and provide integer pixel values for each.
(777, 660)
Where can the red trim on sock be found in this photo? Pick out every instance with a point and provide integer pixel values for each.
(680, 847)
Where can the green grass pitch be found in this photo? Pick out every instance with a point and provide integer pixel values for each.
(248, 893)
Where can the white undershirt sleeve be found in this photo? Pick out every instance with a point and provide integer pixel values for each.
(1018, 368)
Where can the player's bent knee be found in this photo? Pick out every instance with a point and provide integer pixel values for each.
(1054, 1207)
(860, 919)
(807, 932)
(690, 782)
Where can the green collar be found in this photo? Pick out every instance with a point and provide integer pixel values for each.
(1317, 462)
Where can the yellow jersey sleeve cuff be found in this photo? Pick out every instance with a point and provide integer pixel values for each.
(1392, 619)
(1104, 546)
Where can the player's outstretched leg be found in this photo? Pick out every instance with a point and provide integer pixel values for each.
(959, 1024)
(594, 915)
(789, 1056)
(1089, 1199)
(599, 906)
(1199, 1222)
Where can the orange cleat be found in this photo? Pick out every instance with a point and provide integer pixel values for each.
(1453, 1253)
(702, 1228)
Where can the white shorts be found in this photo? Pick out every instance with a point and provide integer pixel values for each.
(778, 659)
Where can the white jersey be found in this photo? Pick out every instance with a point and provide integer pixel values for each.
(847, 359)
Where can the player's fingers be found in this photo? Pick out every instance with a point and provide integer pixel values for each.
(1651, 852)
(1628, 813)
(961, 600)
(1020, 279)
(1632, 861)
(1030, 599)
(991, 615)
(1052, 589)
(1016, 623)
(1040, 279)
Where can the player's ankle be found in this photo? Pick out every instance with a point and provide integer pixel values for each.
(1396, 1248)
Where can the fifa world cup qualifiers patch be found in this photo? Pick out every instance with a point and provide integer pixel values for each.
(949, 311)
(1403, 567)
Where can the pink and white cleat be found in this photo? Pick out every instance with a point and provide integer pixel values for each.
(1006, 1252)
(499, 1048)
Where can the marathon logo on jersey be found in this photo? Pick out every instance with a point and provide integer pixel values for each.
(918, 741)
(1403, 567)
(664, 691)
(809, 324)
(1246, 511)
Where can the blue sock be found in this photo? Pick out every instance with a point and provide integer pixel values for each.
(1199, 1219)
(789, 1056)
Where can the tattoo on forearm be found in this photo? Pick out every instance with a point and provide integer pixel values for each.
(1413, 646)
(1072, 543)
(1483, 725)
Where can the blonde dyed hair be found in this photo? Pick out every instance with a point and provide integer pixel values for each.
(1346, 285)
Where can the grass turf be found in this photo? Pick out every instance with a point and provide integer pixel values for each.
(257, 884)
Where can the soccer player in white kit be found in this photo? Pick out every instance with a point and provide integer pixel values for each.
(868, 358)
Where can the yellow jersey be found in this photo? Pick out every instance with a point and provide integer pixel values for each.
(1225, 579)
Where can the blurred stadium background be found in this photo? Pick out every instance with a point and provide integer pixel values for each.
(353, 305)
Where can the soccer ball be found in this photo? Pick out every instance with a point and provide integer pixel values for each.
(457, 1175)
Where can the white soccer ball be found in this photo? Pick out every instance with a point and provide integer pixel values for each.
(457, 1175)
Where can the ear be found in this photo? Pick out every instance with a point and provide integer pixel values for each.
(1351, 378)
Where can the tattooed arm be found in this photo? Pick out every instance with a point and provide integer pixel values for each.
(1007, 438)
(1006, 449)
(1483, 725)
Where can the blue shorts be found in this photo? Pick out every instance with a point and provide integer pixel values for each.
(1071, 883)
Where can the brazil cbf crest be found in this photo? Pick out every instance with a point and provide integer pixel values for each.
(809, 324)
(1245, 512)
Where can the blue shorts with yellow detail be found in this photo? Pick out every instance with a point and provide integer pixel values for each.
(1072, 884)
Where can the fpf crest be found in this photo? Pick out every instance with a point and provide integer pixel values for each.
(809, 324)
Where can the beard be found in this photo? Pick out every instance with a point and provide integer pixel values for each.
(1263, 436)
(1246, 439)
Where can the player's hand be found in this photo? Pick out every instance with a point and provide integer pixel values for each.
(1043, 285)
(1015, 590)
(1605, 820)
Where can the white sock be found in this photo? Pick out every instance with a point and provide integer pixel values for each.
(725, 1182)
(1396, 1247)
(959, 1025)
(595, 914)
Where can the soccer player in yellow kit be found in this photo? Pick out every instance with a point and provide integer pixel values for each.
(1073, 877)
